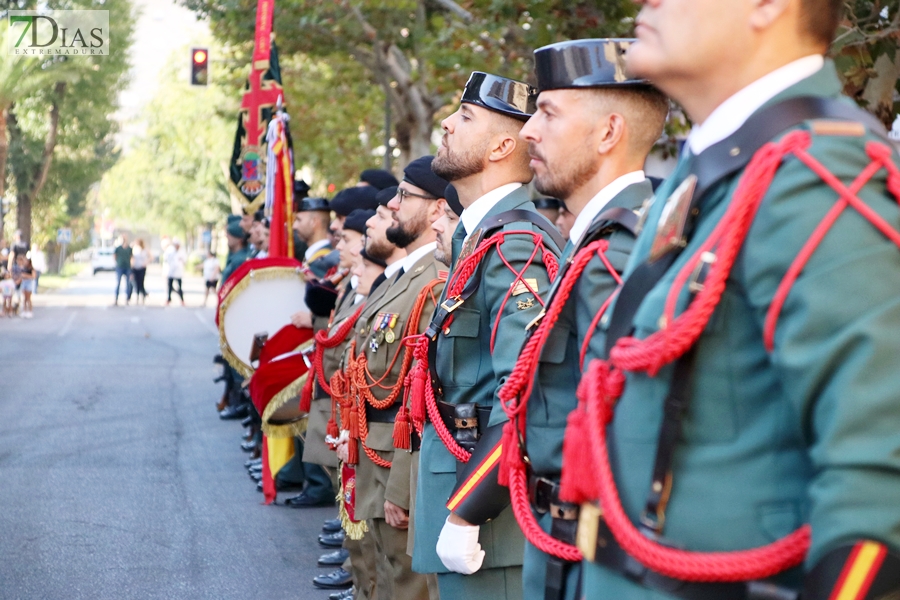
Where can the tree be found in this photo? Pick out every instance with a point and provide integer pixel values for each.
(867, 55)
(64, 119)
(172, 178)
(419, 52)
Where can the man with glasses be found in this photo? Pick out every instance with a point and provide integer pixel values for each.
(379, 368)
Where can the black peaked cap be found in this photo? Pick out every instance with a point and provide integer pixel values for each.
(506, 96)
(593, 63)
(310, 204)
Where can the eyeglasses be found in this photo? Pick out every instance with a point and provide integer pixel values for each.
(405, 194)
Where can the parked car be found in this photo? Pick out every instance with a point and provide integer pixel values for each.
(103, 259)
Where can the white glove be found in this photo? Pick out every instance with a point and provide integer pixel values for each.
(458, 548)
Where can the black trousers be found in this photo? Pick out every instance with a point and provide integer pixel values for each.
(139, 275)
(172, 281)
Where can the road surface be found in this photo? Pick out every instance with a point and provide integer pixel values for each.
(118, 478)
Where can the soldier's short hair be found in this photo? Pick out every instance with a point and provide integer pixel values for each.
(644, 107)
(820, 18)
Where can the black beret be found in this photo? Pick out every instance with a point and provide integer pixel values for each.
(594, 63)
(310, 204)
(356, 221)
(352, 198)
(372, 259)
(378, 178)
(419, 173)
(386, 195)
(499, 94)
(301, 187)
(547, 203)
(453, 199)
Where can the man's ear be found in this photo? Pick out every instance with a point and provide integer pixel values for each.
(436, 210)
(503, 146)
(765, 12)
(612, 133)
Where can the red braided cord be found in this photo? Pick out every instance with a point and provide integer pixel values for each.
(518, 492)
(604, 382)
(514, 401)
(881, 157)
(323, 341)
(741, 565)
(434, 415)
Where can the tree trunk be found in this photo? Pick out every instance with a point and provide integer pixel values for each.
(4, 154)
(24, 200)
(879, 91)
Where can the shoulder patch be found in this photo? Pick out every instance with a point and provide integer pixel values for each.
(831, 127)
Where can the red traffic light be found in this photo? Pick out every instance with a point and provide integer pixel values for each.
(199, 66)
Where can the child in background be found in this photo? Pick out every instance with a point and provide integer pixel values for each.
(210, 274)
(7, 289)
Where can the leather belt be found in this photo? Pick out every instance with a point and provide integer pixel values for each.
(544, 496)
(466, 422)
(388, 415)
(610, 555)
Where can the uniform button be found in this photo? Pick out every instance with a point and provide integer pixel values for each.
(362, 331)
(446, 331)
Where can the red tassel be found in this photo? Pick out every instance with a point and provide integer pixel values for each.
(419, 378)
(402, 430)
(354, 423)
(331, 429)
(353, 452)
(510, 453)
(306, 394)
(578, 482)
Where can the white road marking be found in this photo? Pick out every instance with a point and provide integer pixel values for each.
(68, 325)
(209, 326)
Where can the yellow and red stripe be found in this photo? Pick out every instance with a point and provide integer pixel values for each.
(859, 571)
(489, 463)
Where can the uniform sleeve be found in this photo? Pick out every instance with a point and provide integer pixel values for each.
(837, 343)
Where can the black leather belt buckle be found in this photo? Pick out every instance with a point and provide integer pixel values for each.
(465, 423)
(541, 492)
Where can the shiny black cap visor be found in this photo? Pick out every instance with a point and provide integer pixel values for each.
(499, 94)
(593, 63)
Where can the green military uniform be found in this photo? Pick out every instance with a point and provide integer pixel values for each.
(471, 372)
(559, 367)
(235, 260)
(805, 432)
(375, 484)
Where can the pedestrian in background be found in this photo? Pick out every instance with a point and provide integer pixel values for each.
(19, 247)
(7, 290)
(123, 268)
(175, 260)
(211, 274)
(39, 261)
(26, 285)
(140, 257)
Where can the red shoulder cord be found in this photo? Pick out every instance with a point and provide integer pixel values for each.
(514, 397)
(360, 376)
(604, 381)
(422, 396)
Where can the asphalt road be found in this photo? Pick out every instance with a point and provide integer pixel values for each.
(117, 478)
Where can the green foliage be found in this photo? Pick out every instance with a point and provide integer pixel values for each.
(172, 179)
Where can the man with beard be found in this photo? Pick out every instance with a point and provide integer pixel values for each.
(747, 426)
(506, 247)
(378, 370)
(588, 142)
(446, 225)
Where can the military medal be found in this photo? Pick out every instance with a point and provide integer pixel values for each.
(379, 337)
(389, 336)
(670, 229)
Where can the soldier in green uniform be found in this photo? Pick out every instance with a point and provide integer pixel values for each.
(238, 250)
(377, 372)
(749, 398)
(475, 337)
(614, 121)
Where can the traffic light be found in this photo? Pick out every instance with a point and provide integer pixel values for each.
(199, 66)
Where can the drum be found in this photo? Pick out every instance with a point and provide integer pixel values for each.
(259, 298)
